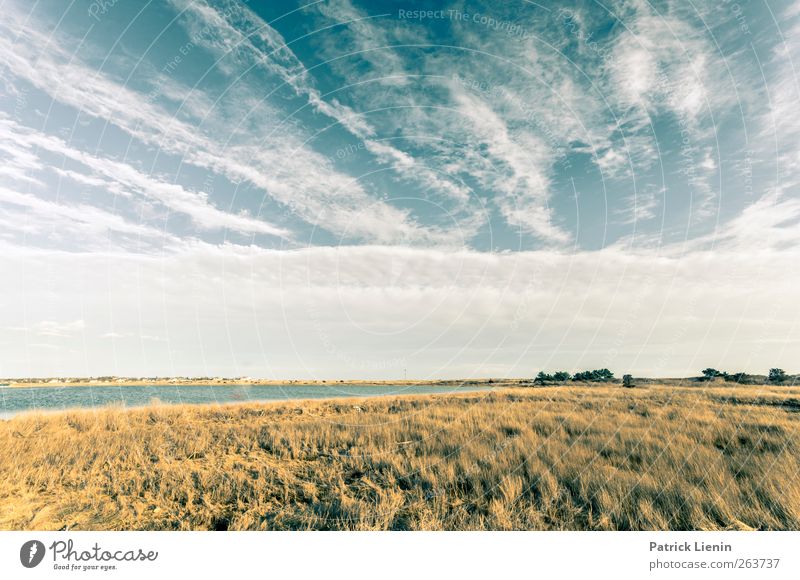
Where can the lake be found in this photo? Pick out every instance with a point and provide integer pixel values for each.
(17, 400)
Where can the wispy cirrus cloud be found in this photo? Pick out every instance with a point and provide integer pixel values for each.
(390, 88)
(521, 184)
(122, 179)
(244, 41)
(27, 221)
(283, 167)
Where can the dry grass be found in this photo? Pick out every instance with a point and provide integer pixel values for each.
(549, 458)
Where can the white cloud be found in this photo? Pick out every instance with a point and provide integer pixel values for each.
(283, 166)
(768, 223)
(663, 65)
(238, 34)
(123, 179)
(59, 329)
(522, 192)
(364, 311)
(115, 335)
(778, 124)
(69, 224)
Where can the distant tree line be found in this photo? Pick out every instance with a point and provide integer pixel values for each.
(775, 376)
(595, 376)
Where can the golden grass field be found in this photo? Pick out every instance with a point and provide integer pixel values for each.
(577, 458)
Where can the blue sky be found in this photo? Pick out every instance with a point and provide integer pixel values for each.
(343, 189)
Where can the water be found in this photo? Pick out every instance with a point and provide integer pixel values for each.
(17, 400)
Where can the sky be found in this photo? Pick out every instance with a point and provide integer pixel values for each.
(373, 190)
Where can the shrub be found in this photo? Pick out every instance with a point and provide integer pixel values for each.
(627, 381)
(594, 376)
(542, 378)
(709, 374)
(603, 375)
(777, 376)
(736, 377)
(561, 376)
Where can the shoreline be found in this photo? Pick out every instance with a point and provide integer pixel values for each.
(456, 388)
(337, 398)
(249, 382)
(35, 383)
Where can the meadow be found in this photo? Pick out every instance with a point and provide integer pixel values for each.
(551, 458)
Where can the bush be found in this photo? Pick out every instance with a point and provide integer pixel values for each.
(736, 377)
(561, 376)
(627, 381)
(777, 376)
(709, 374)
(543, 378)
(603, 375)
(594, 376)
